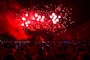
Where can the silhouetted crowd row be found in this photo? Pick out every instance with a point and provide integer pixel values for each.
(55, 50)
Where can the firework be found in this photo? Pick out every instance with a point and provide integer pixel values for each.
(49, 17)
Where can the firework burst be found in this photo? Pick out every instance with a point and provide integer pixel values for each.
(49, 17)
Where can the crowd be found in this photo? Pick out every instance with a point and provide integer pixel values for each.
(50, 50)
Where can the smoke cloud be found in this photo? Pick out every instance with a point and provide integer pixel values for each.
(8, 23)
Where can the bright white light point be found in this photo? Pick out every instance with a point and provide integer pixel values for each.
(28, 22)
(43, 16)
(22, 24)
(51, 17)
(39, 17)
(54, 22)
(26, 25)
(36, 15)
(53, 14)
(57, 20)
(55, 17)
(26, 14)
(23, 18)
(42, 20)
(59, 16)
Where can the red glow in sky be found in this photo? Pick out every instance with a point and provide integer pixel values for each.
(58, 17)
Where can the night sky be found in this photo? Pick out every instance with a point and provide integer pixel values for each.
(81, 9)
